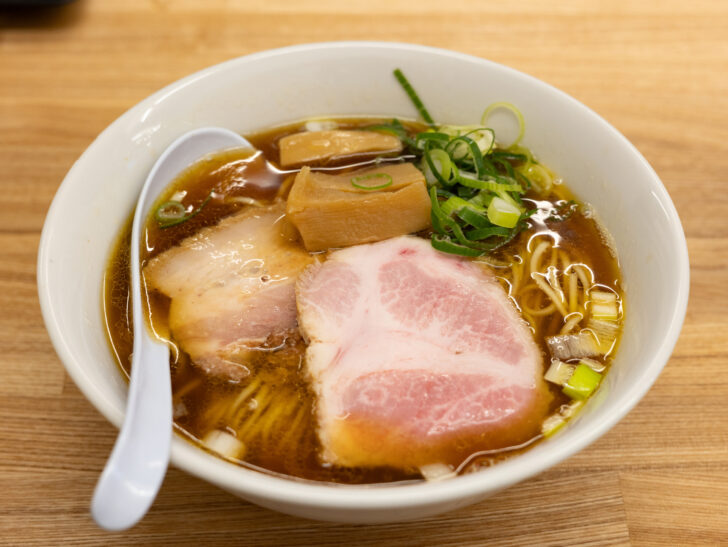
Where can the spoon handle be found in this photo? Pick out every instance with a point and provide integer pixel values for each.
(135, 470)
(138, 462)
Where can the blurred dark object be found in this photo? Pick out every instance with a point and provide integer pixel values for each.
(32, 3)
(40, 14)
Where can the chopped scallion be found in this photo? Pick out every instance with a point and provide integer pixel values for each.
(447, 245)
(605, 332)
(502, 213)
(460, 161)
(555, 422)
(361, 178)
(573, 346)
(485, 233)
(455, 203)
(170, 211)
(477, 218)
(512, 108)
(540, 178)
(559, 372)
(596, 366)
(173, 213)
(604, 305)
(582, 383)
(438, 166)
(552, 424)
(490, 185)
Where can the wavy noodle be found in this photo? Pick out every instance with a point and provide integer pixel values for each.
(573, 281)
(187, 388)
(549, 287)
(262, 413)
(572, 320)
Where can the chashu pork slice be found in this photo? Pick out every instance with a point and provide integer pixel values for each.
(231, 287)
(416, 357)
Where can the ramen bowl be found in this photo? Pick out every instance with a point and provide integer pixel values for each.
(347, 79)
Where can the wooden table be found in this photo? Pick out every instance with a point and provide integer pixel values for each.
(657, 70)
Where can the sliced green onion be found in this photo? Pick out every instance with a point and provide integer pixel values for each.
(605, 332)
(509, 198)
(472, 214)
(394, 128)
(596, 366)
(485, 233)
(481, 198)
(574, 346)
(555, 422)
(443, 193)
(438, 166)
(489, 167)
(552, 424)
(559, 372)
(443, 223)
(454, 204)
(521, 151)
(457, 130)
(474, 218)
(431, 136)
(490, 185)
(440, 221)
(502, 213)
(475, 191)
(582, 383)
(522, 179)
(465, 192)
(512, 108)
(506, 166)
(493, 245)
(356, 180)
(604, 311)
(569, 410)
(468, 147)
(484, 137)
(540, 178)
(509, 156)
(445, 244)
(172, 213)
(412, 94)
(604, 305)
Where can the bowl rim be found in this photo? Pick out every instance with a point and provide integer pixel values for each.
(263, 486)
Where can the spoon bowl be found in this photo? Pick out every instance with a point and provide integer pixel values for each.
(135, 470)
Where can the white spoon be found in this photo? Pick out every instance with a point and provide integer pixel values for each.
(135, 470)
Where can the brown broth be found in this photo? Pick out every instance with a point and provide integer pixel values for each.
(202, 402)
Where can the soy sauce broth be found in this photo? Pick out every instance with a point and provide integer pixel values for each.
(203, 403)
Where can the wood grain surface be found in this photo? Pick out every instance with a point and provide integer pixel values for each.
(656, 69)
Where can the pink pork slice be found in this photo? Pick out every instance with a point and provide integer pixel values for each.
(416, 357)
(231, 287)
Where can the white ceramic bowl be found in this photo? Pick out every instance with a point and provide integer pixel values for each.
(272, 87)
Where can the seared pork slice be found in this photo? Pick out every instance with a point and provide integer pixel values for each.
(416, 357)
(231, 287)
(320, 146)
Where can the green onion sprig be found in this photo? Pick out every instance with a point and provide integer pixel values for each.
(412, 94)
